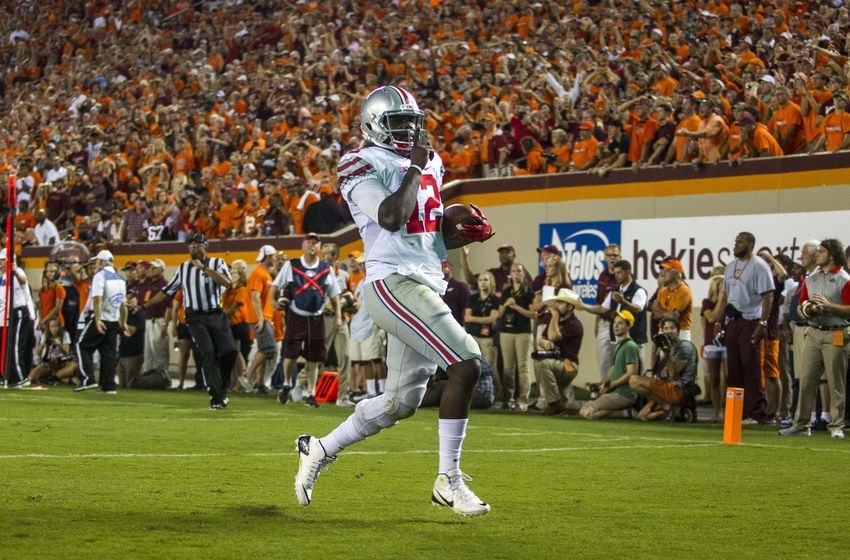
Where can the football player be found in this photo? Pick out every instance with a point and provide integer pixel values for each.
(392, 186)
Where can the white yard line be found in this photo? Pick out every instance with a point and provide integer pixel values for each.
(401, 452)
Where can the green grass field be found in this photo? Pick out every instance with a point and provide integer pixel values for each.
(158, 475)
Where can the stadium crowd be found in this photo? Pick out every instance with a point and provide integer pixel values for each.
(159, 120)
(757, 317)
(152, 120)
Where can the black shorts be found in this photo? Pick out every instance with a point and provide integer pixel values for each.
(240, 334)
(305, 336)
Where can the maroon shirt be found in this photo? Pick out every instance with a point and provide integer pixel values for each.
(571, 334)
(57, 202)
(605, 285)
(457, 298)
(149, 288)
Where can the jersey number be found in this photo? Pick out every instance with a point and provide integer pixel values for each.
(428, 211)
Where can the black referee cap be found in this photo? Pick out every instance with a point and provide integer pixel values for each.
(197, 238)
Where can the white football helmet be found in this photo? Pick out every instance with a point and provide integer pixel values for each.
(389, 116)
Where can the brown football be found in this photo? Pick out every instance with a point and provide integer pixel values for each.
(453, 217)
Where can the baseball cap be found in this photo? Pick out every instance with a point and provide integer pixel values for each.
(586, 125)
(266, 251)
(769, 79)
(131, 265)
(355, 254)
(312, 236)
(158, 263)
(626, 316)
(551, 249)
(672, 263)
(197, 238)
(326, 189)
(505, 248)
(105, 255)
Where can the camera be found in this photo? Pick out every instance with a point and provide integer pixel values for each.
(719, 339)
(549, 156)
(593, 388)
(546, 355)
(662, 342)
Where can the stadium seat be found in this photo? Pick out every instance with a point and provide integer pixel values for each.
(327, 387)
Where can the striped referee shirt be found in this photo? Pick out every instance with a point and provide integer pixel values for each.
(200, 292)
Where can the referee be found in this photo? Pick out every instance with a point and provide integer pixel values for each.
(203, 280)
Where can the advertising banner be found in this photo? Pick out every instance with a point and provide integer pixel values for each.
(701, 243)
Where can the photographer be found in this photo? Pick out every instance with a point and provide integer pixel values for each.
(616, 395)
(556, 365)
(674, 375)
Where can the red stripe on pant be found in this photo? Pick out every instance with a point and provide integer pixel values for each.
(411, 321)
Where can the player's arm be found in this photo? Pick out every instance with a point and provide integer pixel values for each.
(396, 209)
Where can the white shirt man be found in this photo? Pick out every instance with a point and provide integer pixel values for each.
(46, 233)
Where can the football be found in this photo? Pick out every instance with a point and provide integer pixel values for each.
(455, 216)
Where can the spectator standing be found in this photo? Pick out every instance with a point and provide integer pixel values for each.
(714, 348)
(480, 316)
(103, 317)
(798, 325)
(629, 296)
(156, 326)
(605, 284)
(326, 215)
(366, 349)
(339, 338)
(305, 282)
(748, 286)
(133, 225)
(51, 296)
(515, 338)
(46, 233)
(457, 293)
(825, 301)
(235, 302)
(712, 134)
(20, 322)
(674, 299)
(259, 315)
(770, 342)
(131, 342)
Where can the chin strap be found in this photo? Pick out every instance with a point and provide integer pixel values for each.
(477, 227)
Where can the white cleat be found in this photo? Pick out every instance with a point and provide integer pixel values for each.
(450, 490)
(312, 460)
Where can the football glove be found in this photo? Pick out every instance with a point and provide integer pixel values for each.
(477, 227)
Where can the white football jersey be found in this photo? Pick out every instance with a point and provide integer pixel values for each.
(366, 177)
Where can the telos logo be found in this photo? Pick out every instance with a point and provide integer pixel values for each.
(583, 248)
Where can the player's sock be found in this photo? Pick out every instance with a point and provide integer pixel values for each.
(382, 385)
(814, 418)
(826, 416)
(451, 434)
(370, 387)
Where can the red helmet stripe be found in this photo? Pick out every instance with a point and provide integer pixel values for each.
(405, 97)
